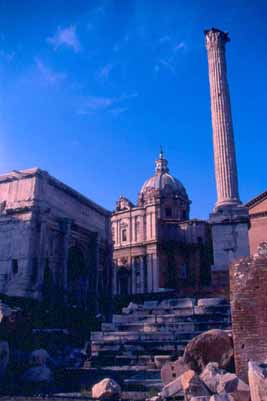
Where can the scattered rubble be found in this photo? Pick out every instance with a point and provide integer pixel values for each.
(172, 370)
(39, 372)
(106, 389)
(230, 383)
(211, 376)
(193, 386)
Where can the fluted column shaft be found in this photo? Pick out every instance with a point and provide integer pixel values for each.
(222, 126)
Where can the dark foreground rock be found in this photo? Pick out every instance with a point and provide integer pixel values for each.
(211, 346)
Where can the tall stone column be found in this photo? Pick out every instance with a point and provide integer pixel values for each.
(229, 220)
(133, 275)
(222, 126)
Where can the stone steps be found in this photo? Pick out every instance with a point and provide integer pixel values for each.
(130, 348)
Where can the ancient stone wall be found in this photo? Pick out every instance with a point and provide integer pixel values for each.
(248, 293)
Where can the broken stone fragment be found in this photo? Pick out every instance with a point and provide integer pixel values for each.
(231, 384)
(257, 377)
(211, 346)
(221, 397)
(211, 376)
(155, 398)
(37, 374)
(106, 389)
(193, 386)
(161, 360)
(39, 357)
(173, 388)
(171, 370)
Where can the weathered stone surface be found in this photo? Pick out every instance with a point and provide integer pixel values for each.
(211, 376)
(211, 346)
(106, 389)
(161, 360)
(155, 398)
(172, 370)
(221, 397)
(132, 307)
(207, 302)
(173, 388)
(37, 374)
(231, 384)
(257, 376)
(193, 386)
(4, 357)
(248, 282)
(35, 244)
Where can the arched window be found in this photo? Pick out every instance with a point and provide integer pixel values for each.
(183, 272)
(124, 234)
(15, 266)
(77, 276)
(168, 212)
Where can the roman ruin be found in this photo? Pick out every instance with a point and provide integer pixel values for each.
(229, 220)
(151, 322)
(54, 242)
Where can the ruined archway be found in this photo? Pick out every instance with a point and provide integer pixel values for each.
(77, 278)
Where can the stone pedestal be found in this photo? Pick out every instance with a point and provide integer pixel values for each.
(229, 238)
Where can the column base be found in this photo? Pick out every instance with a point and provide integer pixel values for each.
(229, 226)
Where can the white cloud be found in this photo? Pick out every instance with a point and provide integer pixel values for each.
(8, 57)
(116, 112)
(66, 37)
(164, 39)
(113, 105)
(168, 64)
(47, 74)
(179, 46)
(104, 72)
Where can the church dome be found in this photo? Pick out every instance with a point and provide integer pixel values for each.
(163, 183)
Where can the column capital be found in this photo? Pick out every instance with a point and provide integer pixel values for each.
(216, 38)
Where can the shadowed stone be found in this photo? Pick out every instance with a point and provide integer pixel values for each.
(221, 397)
(172, 370)
(210, 346)
(211, 376)
(231, 384)
(193, 386)
(173, 388)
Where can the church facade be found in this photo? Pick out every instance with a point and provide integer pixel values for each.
(55, 243)
(155, 244)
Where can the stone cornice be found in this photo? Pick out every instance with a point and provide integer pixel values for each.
(258, 199)
(37, 172)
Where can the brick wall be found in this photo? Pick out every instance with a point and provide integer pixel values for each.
(258, 222)
(248, 294)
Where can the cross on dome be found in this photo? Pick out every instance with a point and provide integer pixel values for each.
(161, 164)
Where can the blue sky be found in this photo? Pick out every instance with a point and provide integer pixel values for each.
(91, 89)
